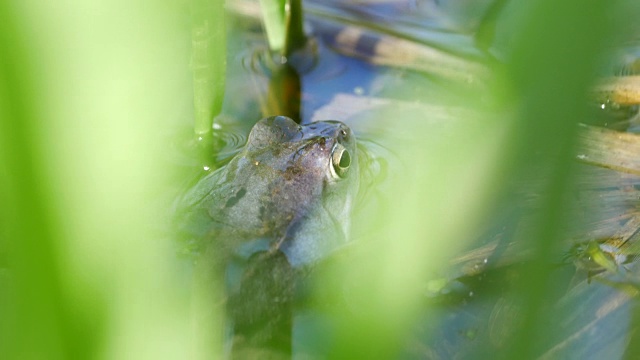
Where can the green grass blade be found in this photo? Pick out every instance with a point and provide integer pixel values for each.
(86, 91)
(557, 51)
(208, 34)
(274, 22)
(283, 22)
(35, 306)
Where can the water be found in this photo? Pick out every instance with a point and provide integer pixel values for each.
(470, 308)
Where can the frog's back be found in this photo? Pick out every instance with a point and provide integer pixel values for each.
(274, 192)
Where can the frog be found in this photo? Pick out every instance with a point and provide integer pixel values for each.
(290, 189)
(280, 206)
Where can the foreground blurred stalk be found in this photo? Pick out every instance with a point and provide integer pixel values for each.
(33, 303)
(557, 50)
(208, 56)
(81, 173)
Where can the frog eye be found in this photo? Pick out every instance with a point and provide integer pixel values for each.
(340, 161)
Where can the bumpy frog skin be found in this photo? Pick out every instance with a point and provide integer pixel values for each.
(290, 189)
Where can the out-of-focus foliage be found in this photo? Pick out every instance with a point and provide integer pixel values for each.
(208, 60)
(283, 23)
(85, 91)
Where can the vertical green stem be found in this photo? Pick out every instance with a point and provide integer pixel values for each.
(274, 22)
(34, 307)
(208, 61)
(552, 64)
(295, 32)
(283, 20)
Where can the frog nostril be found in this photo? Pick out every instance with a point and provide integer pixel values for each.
(344, 134)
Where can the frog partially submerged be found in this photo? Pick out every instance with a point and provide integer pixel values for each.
(281, 204)
(290, 189)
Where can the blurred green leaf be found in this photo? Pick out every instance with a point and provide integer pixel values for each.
(274, 22)
(557, 48)
(86, 90)
(36, 322)
(208, 57)
(283, 22)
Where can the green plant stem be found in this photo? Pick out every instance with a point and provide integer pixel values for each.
(208, 37)
(295, 31)
(274, 22)
(34, 313)
(552, 65)
(283, 20)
